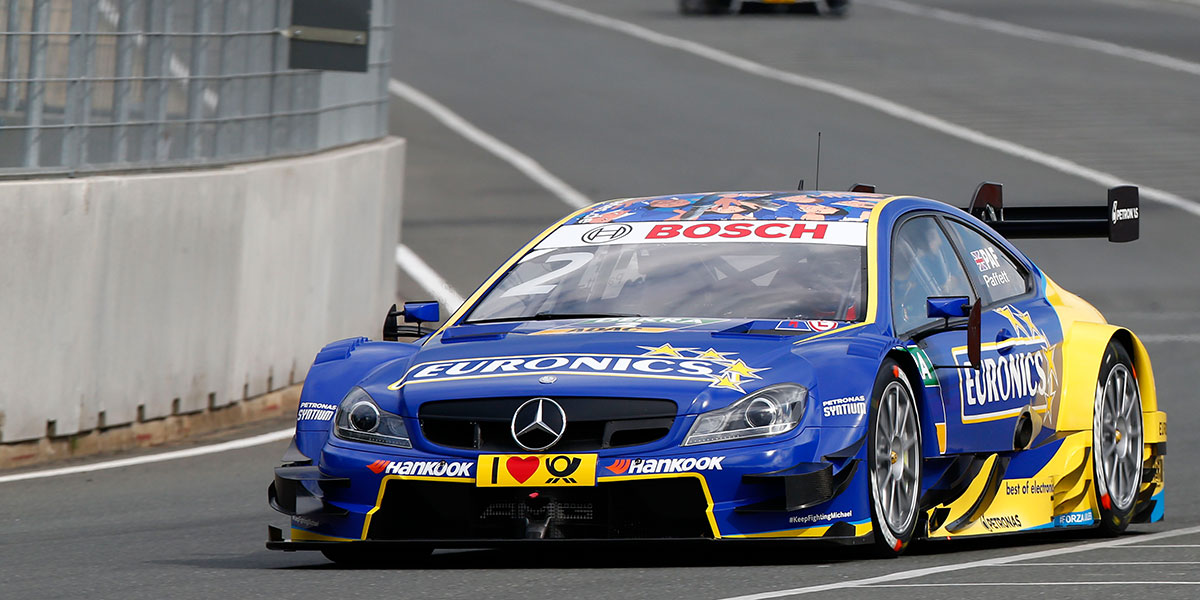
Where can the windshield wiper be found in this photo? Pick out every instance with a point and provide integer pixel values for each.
(550, 316)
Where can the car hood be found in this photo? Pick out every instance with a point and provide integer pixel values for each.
(700, 364)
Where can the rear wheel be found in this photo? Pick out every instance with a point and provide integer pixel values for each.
(704, 7)
(1117, 439)
(894, 457)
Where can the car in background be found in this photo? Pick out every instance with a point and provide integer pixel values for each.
(716, 7)
(842, 366)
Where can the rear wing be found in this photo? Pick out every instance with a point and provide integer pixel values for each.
(1117, 221)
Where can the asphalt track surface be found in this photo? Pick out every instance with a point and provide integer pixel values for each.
(615, 115)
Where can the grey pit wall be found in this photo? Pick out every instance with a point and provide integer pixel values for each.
(137, 297)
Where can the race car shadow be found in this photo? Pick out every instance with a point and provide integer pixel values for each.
(721, 554)
(609, 556)
(602, 557)
(1017, 542)
(660, 555)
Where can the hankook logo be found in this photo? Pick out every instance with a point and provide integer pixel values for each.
(538, 424)
(607, 233)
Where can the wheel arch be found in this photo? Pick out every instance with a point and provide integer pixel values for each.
(929, 405)
(1082, 352)
(1142, 368)
(911, 371)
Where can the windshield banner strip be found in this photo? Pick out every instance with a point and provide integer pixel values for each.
(659, 232)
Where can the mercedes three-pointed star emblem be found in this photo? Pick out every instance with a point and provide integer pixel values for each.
(538, 424)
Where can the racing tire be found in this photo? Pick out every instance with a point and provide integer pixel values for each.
(894, 461)
(1117, 440)
(704, 7)
(350, 556)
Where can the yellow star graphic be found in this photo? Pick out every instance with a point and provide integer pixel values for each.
(1051, 373)
(729, 381)
(1018, 327)
(741, 369)
(664, 350)
(712, 354)
(1025, 318)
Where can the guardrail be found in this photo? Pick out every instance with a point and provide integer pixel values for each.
(103, 85)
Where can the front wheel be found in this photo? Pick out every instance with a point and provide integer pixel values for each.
(1117, 440)
(894, 436)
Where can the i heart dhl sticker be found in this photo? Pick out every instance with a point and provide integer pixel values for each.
(535, 470)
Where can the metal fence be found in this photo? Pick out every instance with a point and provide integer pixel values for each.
(96, 85)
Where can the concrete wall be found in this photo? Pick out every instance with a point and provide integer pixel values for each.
(137, 297)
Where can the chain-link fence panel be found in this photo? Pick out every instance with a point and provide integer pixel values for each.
(102, 85)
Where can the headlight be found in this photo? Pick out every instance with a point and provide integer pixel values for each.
(769, 411)
(359, 418)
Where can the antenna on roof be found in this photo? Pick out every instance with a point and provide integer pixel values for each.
(818, 184)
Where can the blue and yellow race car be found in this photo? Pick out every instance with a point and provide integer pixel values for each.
(844, 366)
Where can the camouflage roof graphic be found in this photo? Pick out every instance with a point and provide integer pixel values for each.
(724, 206)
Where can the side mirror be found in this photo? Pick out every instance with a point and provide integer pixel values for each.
(414, 312)
(947, 307)
(422, 312)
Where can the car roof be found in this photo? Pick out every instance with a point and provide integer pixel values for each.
(724, 206)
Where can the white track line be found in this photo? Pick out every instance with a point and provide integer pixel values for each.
(508, 154)
(427, 278)
(862, 98)
(987, 562)
(1167, 338)
(257, 440)
(1159, 316)
(1029, 583)
(408, 260)
(1168, 546)
(1113, 564)
(1039, 35)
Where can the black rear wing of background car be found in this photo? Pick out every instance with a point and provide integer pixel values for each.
(1117, 221)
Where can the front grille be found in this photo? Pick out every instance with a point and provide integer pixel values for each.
(552, 509)
(669, 508)
(592, 423)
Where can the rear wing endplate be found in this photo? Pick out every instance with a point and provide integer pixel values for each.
(1117, 221)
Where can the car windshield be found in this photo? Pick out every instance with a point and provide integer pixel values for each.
(681, 278)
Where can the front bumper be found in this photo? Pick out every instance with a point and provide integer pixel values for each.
(754, 491)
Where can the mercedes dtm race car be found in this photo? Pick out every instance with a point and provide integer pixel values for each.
(811, 365)
(716, 7)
